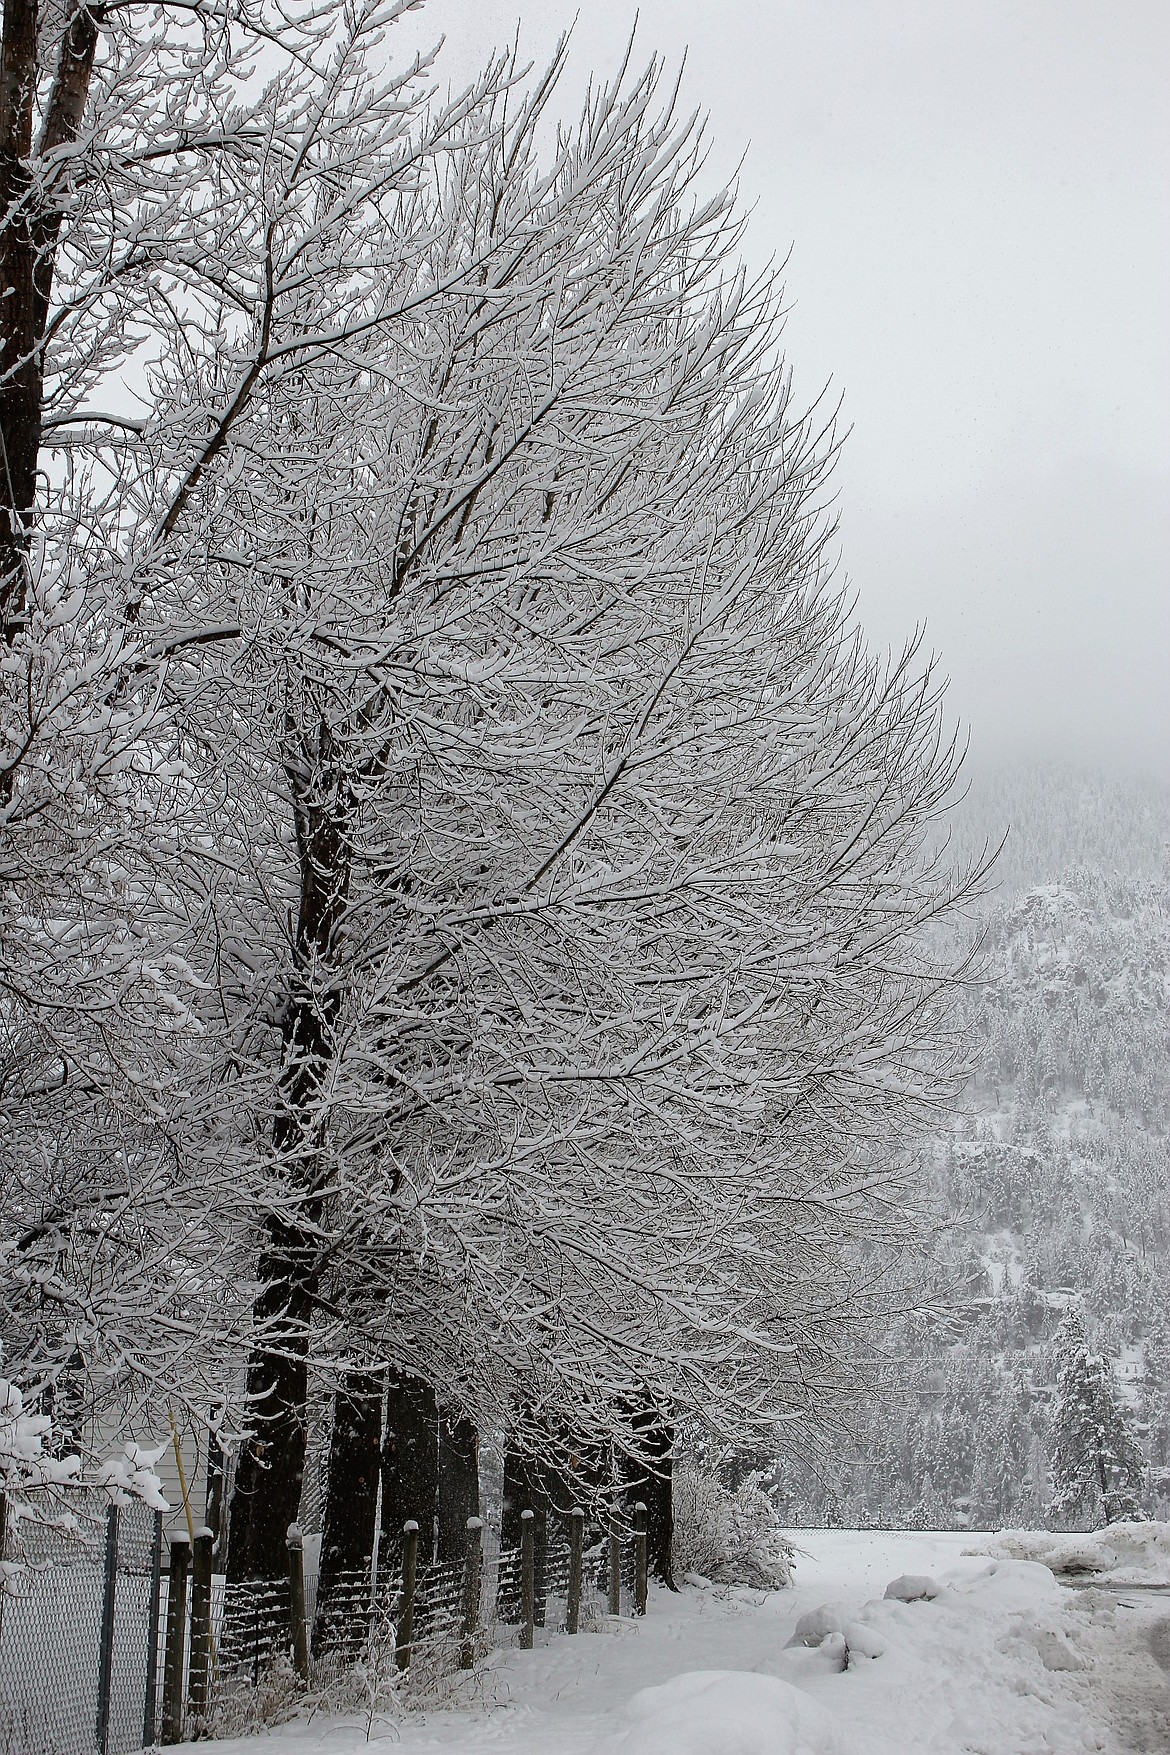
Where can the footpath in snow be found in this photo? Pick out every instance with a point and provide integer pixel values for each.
(990, 1656)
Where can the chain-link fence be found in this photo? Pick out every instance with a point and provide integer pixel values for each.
(79, 1621)
(95, 1660)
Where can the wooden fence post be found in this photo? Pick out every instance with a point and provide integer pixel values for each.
(150, 1703)
(406, 1610)
(296, 1601)
(176, 1639)
(540, 1565)
(641, 1588)
(614, 1571)
(472, 1583)
(576, 1564)
(199, 1671)
(527, 1579)
(106, 1647)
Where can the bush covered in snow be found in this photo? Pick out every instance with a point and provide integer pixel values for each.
(41, 1486)
(727, 1712)
(26, 1465)
(733, 1537)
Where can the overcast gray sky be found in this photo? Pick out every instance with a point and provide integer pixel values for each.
(976, 197)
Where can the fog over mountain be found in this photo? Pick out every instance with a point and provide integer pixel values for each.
(1053, 1187)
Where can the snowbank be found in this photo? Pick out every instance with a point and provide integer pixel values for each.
(727, 1712)
(1125, 1553)
(1001, 1661)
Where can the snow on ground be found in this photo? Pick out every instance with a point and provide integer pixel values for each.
(972, 1655)
(1124, 1553)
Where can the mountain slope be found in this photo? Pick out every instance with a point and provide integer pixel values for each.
(1054, 1183)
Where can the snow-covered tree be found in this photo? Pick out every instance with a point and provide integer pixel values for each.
(171, 177)
(608, 1003)
(467, 894)
(1097, 1465)
(28, 1466)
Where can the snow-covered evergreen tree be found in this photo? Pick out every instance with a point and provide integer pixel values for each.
(1096, 1463)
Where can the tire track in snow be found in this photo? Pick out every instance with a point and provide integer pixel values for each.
(1160, 1642)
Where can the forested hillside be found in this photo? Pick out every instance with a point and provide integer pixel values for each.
(1054, 1186)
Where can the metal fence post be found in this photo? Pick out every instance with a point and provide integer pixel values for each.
(527, 1579)
(296, 1601)
(406, 1611)
(576, 1563)
(150, 1703)
(641, 1583)
(3, 1548)
(106, 1649)
(199, 1680)
(176, 1640)
(472, 1583)
(614, 1576)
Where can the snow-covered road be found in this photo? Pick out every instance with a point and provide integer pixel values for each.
(1004, 1661)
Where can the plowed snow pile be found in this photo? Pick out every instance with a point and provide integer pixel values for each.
(888, 1645)
(1126, 1553)
(726, 1712)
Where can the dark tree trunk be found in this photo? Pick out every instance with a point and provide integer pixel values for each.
(215, 1486)
(517, 1497)
(30, 226)
(521, 1493)
(20, 385)
(530, 1485)
(410, 1460)
(653, 1485)
(351, 1505)
(267, 1491)
(458, 1485)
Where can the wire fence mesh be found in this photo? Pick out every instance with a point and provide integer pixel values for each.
(76, 1636)
(253, 1627)
(84, 1613)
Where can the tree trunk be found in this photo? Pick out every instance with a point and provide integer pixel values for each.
(347, 1540)
(410, 1460)
(530, 1485)
(653, 1485)
(20, 383)
(30, 226)
(267, 1491)
(518, 1496)
(458, 1485)
(215, 1485)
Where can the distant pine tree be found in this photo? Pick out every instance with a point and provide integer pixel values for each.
(1097, 1465)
